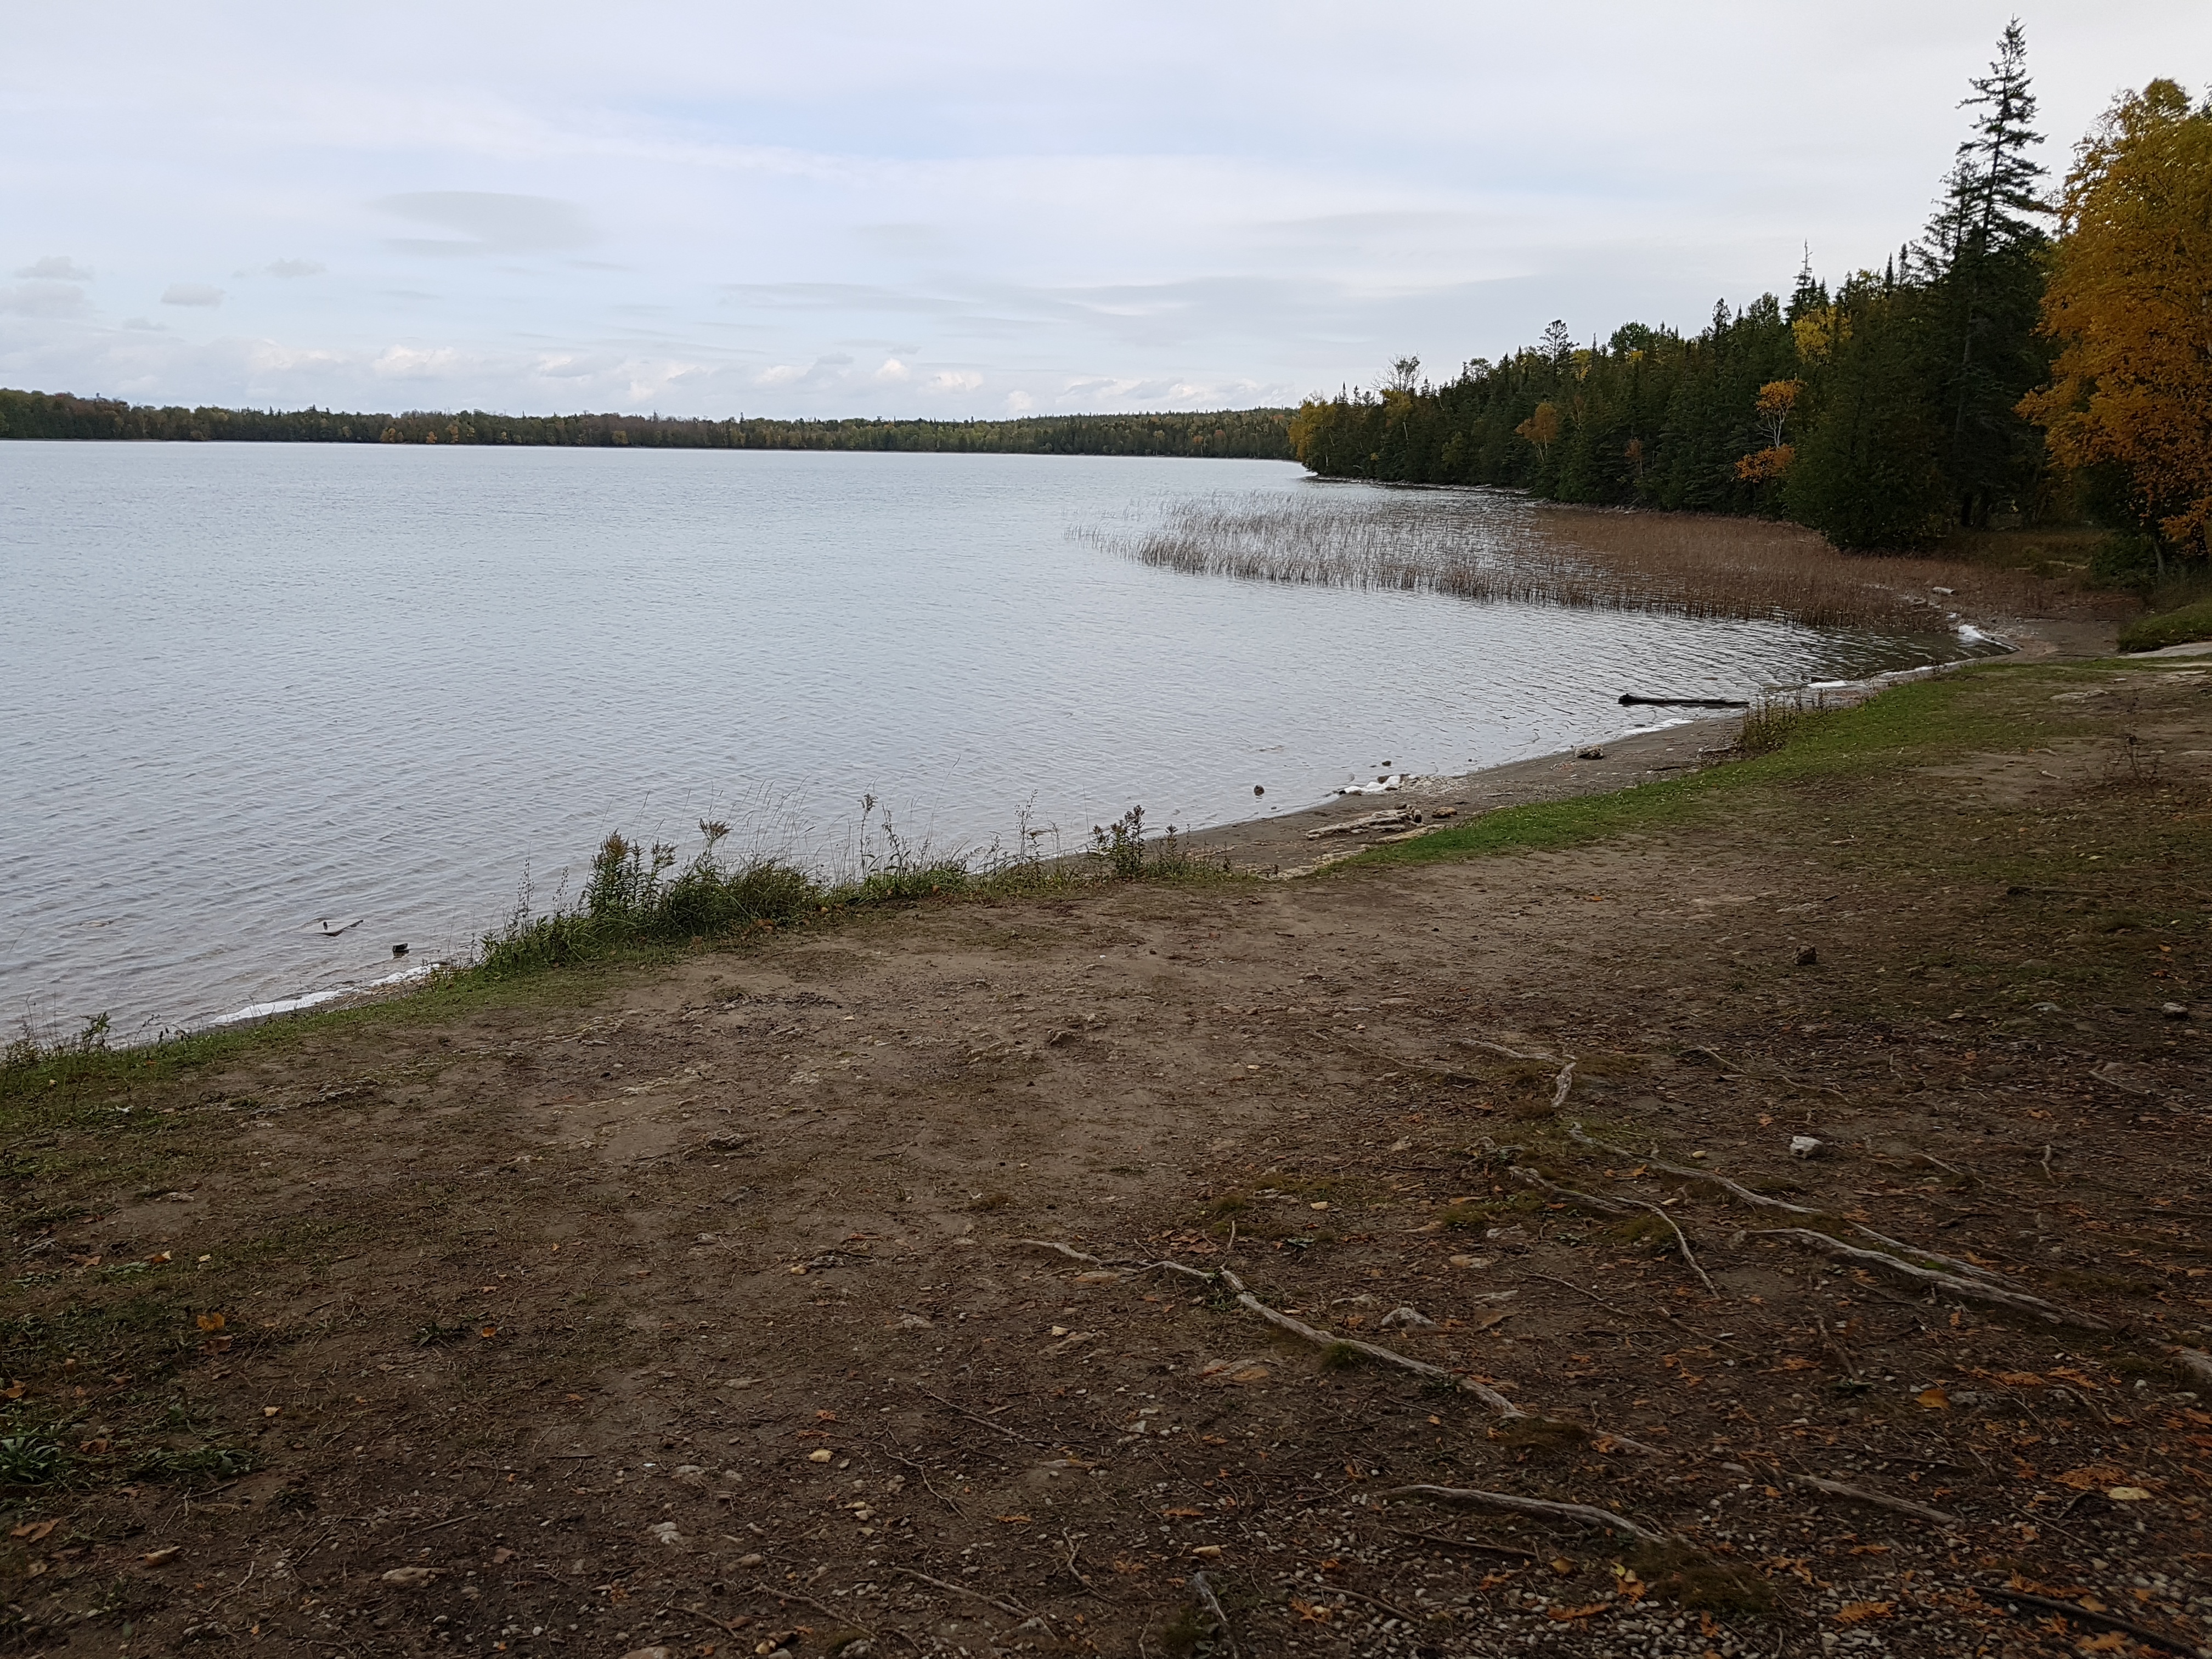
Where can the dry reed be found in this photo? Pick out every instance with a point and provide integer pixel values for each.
(1482, 545)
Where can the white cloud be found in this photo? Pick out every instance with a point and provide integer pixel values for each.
(893, 370)
(55, 268)
(42, 300)
(955, 379)
(1019, 403)
(413, 364)
(191, 293)
(488, 222)
(294, 268)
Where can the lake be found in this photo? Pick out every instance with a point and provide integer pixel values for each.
(247, 689)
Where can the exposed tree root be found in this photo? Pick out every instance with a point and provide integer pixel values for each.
(1581, 1514)
(1590, 1201)
(1744, 1195)
(2019, 1600)
(1972, 1289)
(1857, 1494)
(1283, 1321)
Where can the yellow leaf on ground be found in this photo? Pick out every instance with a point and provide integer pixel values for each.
(1933, 1399)
(211, 1322)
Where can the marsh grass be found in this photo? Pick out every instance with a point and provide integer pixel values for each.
(1479, 545)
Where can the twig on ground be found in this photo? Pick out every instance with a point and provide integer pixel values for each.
(1377, 1602)
(1473, 1544)
(923, 1474)
(1489, 1396)
(1072, 1254)
(1970, 1289)
(2019, 1599)
(973, 1418)
(1012, 1609)
(1541, 1508)
(1566, 1082)
(843, 1616)
(1211, 1603)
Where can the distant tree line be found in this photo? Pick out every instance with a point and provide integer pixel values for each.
(1994, 369)
(1262, 434)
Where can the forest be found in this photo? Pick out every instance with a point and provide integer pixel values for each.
(2026, 360)
(1262, 434)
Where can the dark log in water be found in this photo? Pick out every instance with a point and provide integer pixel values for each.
(1630, 700)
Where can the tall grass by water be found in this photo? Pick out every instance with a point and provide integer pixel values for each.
(639, 896)
(1477, 545)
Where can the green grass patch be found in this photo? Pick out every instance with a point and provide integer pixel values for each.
(2186, 626)
(1913, 724)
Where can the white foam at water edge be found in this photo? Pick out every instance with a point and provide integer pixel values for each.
(314, 999)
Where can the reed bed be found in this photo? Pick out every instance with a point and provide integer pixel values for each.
(1484, 546)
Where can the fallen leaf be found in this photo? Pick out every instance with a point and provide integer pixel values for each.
(2075, 1377)
(1013, 1520)
(1933, 1399)
(13, 1390)
(155, 1557)
(270, 1411)
(1182, 1515)
(211, 1322)
(1565, 1614)
(820, 1456)
(2127, 1494)
(488, 1331)
(34, 1530)
(2111, 1642)
(1207, 1551)
(408, 1578)
(501, 1556)
(2018, 1380)
(1560, 1565)
(2090, 1476)
(1249, 1374)
(1308, 1614)
(1857, 1613)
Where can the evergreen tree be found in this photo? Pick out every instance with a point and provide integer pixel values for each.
(1982, 263)
(1865, 475)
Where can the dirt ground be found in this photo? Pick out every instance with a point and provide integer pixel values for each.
(699, 1306)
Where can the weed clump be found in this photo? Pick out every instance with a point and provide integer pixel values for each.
(631, 899)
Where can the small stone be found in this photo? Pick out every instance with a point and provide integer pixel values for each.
(1505, 1236)
(750, 1560)
(1809, 958)
(1207, 1551)
(2174, 1010)
(1589, 754)
(691, 1474)
(821, 1456)
(665, 1532)
(1807, 1146)
(1405, 1319)
(408, 1578)
(646, 1653)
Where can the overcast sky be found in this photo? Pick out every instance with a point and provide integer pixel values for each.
(958, 208)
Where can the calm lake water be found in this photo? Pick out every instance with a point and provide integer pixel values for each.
(244, 687)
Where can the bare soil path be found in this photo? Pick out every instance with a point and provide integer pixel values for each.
(694, 1305)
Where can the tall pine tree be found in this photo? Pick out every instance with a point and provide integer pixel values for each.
(1981, 262)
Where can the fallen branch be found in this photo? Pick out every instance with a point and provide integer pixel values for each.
(842, 1618)
(1489, 1396)
(1528, 1178)
(1583, 1514)
(2017, 1600)
(1012, 1609)
(1211, 1603)
(1972, 1290)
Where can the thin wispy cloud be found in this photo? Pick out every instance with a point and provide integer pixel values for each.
(989, 208)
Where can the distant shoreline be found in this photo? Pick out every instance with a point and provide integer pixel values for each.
(1232, 434)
